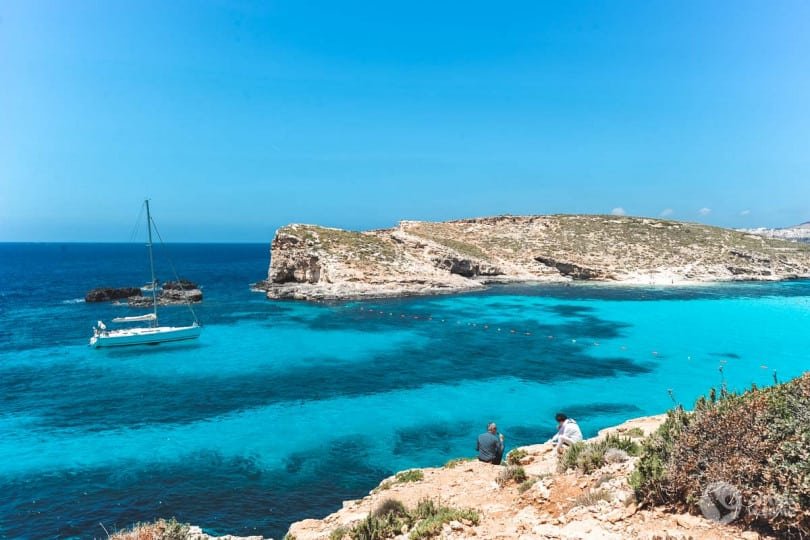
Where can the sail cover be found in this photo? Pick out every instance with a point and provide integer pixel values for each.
(139, 318)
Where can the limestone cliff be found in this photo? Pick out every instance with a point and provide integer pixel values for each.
(416, 257)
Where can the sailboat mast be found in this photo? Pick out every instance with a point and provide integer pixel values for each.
(151, 261)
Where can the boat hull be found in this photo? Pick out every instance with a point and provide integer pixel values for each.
(145, 336)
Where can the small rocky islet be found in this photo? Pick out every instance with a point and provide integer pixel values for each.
(171, 293)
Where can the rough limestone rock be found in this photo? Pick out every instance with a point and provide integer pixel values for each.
(419, 257)
(105, 294)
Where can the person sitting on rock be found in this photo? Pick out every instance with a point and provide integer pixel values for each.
(568, 432)
(490, 445)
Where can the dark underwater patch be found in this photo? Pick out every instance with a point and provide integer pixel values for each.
(221, 494)
(432, 436)
(529, 434)
(590, 410)
(732, 355)
(94, 398)
(569, 310)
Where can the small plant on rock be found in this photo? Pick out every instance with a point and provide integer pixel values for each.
(526, 485)
(390, 506)
(634, 433)
(412, 475)
(512, 473)
(514, 457)
(432, 516)
(339, 534)
(376, 528)
(590, 456)
(592, 497)
(614, 455)
(162, 529)
(457, 461)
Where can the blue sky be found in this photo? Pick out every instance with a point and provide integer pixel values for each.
(238, 117)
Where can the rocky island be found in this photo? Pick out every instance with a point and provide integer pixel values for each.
(420, 257)
(171, 293)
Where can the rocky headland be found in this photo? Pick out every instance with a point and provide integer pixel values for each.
(539, 503)
(418, 257)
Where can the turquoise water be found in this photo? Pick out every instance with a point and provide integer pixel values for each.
(284, 409)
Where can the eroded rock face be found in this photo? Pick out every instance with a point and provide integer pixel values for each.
(315, 263)
(293, 260)
(467, 267)
(571, 270)
(106, 294)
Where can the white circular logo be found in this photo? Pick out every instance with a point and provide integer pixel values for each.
(720, 502)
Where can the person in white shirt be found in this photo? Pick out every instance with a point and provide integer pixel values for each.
(568, 433)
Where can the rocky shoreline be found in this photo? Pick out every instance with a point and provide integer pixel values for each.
(546, 505)
(310, 262)
(540, 503)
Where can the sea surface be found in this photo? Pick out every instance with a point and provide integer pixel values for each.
(284, 409)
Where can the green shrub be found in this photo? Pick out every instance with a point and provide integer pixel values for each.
(656, 452)
(162, 529)
(634, 433)
(412, 475)
(390, 506)
(391, 518)
(377, 528)
(512, 473)
(433, 516)
(514, 457)
(526, 485)
(339, 534)
(590, 456)
(757, 441)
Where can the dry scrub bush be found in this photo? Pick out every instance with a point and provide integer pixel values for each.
(161, 529)
(758, 441)
(511, 473)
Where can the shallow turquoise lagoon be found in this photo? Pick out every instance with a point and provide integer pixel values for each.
(284, 409)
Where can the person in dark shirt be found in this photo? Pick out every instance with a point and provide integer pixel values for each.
(490, 445)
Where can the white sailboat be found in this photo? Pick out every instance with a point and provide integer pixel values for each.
(152, 334)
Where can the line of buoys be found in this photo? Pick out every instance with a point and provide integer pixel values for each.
(514, 331)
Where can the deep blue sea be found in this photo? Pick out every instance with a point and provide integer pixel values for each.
(284, 409)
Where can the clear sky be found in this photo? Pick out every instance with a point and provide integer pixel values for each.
(237, 117)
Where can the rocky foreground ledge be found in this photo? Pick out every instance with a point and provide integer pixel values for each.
(418, 257)
(542, 505)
